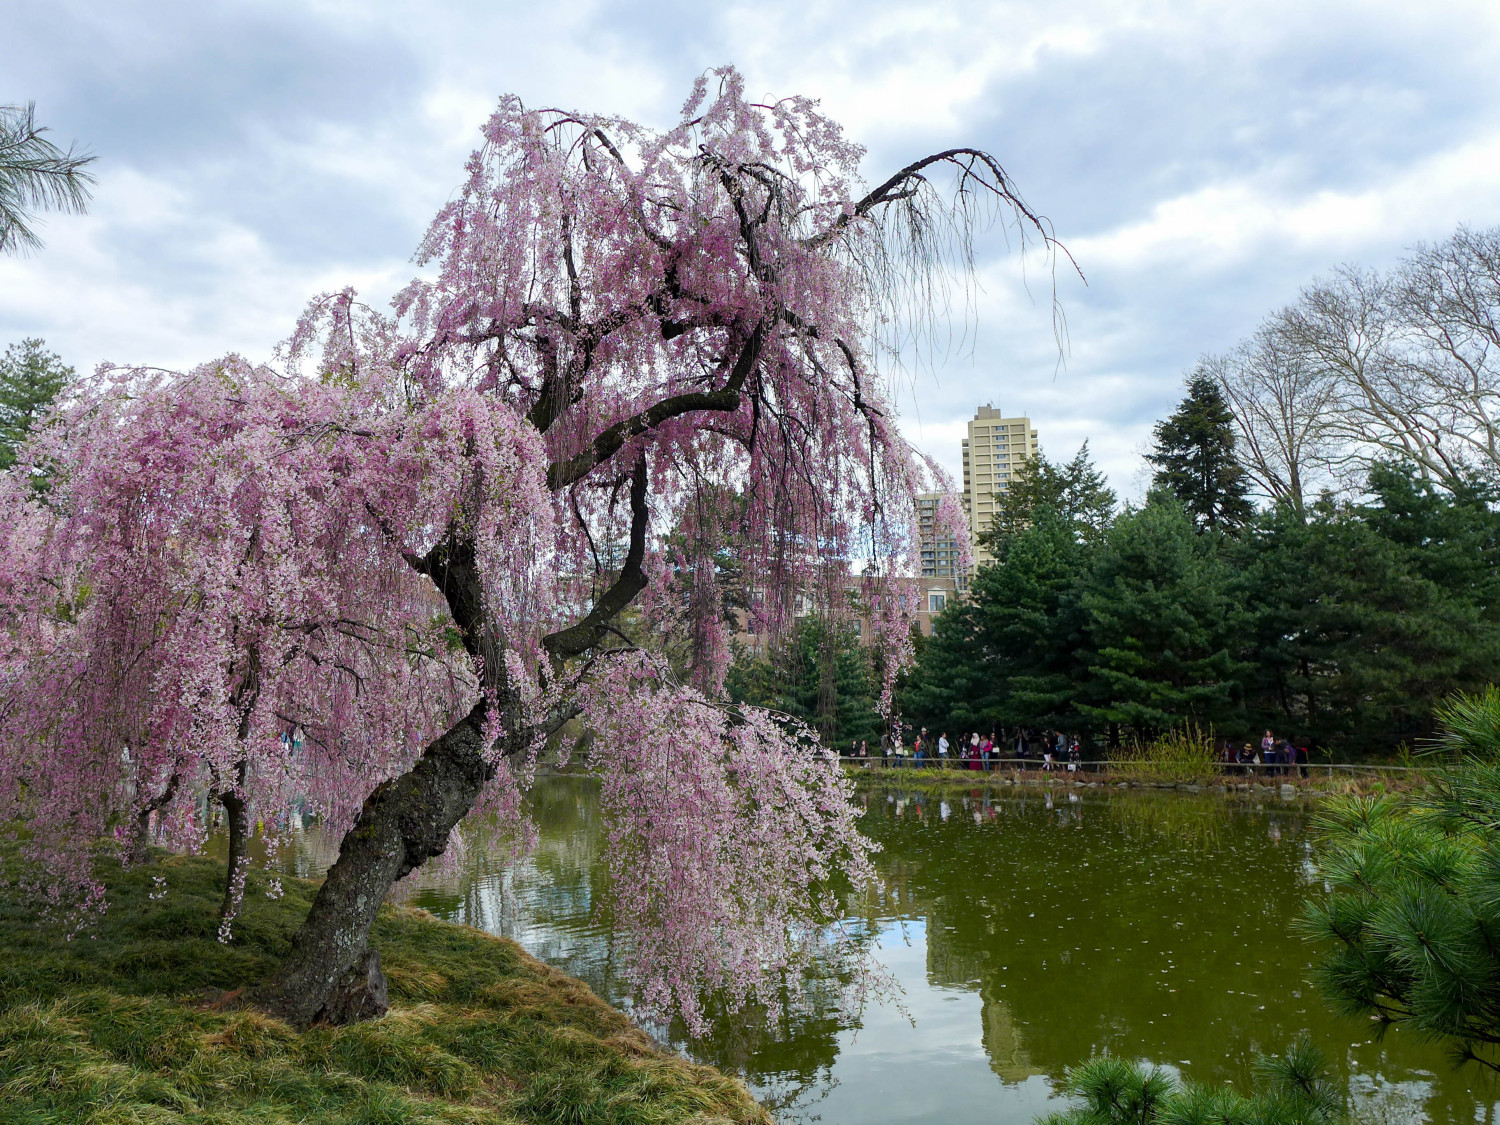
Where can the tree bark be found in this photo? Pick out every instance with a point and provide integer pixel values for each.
(140, 840)
(331, 974)
(236, 815)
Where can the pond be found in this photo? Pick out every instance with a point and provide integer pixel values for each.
(1026, 928)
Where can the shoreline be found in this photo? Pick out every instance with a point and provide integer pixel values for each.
(933, 779)
(140, 1016)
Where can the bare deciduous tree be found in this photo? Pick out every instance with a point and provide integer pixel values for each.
(1447, 301)
(1281, 403)
(1367, 366)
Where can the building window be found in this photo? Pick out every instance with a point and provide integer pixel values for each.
(936, 602)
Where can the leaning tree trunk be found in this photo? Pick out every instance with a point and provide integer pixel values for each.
(140, 839)
(332, 974)
(236, 814)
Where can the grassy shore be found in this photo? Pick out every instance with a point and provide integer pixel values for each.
(936, 780)
(140, 1023)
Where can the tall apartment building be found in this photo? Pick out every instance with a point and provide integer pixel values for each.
(993, 453)
(940, 554)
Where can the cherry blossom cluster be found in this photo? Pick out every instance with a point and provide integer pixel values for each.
(637, 367)
(211, 594)
(728, 832)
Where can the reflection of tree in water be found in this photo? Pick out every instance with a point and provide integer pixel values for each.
(1147, 817)
(1195, 820)
(1149, 925)
(546, 897)
(789, 1060)
(553, 901)
(950, 965)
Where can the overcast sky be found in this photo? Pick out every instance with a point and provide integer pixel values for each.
(1202, 161)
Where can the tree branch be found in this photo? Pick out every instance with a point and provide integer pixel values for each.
(587, 633)
(726, 399)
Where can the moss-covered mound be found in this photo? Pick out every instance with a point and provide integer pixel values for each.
(132, 1024)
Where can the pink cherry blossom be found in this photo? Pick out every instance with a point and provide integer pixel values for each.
(431, 538)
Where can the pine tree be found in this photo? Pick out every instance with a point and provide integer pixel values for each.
(35, 175)
(1415, 905)
(1162, 625)
(1006, 655)
(1076, 491)
(1363, 617)
(1195, 459)
(1293, 1089)
(821, 675)
(31, 378)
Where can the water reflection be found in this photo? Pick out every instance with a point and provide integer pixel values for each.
(1026, 930)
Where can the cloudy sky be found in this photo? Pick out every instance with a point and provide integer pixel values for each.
(1201, 161)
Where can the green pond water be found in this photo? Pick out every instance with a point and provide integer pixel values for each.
(1026, 928)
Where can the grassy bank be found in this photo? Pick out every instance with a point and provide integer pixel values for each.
(936, 780)
(139, 1024)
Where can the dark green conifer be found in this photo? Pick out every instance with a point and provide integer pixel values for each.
(31, 378)
(1076, 492)
(1195, 459)
(1414, 913)
(1162, 626)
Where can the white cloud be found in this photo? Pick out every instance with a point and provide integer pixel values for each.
(1224, 225)
(1202, 160)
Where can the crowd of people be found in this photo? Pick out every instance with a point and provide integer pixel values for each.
(1053, 749)
(1276, 757)
(974, 750)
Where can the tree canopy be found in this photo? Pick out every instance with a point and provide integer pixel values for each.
(820, 674)
(1408, 925)
(1195, 458)
(31, 378)
(1077, 492)
(620, 326)
(1342, 626)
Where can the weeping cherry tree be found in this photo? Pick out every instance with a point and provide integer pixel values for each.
(419, 537)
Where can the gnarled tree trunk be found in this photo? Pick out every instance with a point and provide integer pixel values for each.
(332, 974)
(237, 817)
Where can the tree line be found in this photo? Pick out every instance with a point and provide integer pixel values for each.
(1341, 625)
(1316, 553)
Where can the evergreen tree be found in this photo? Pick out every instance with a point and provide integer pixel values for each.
(1363, 617)
(35, 175)
(1161, 625)
(822, 675)
(1293, 1089)
(1195, 459)
(31, 378)
(1077, 492)
(1415, 905)
(1006, 655)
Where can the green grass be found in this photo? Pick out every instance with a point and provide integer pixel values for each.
(133, 1025)
(950, 780)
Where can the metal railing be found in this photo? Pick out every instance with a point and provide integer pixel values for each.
(1226, 770)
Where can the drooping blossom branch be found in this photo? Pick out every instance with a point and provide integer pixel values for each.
(428, 532)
